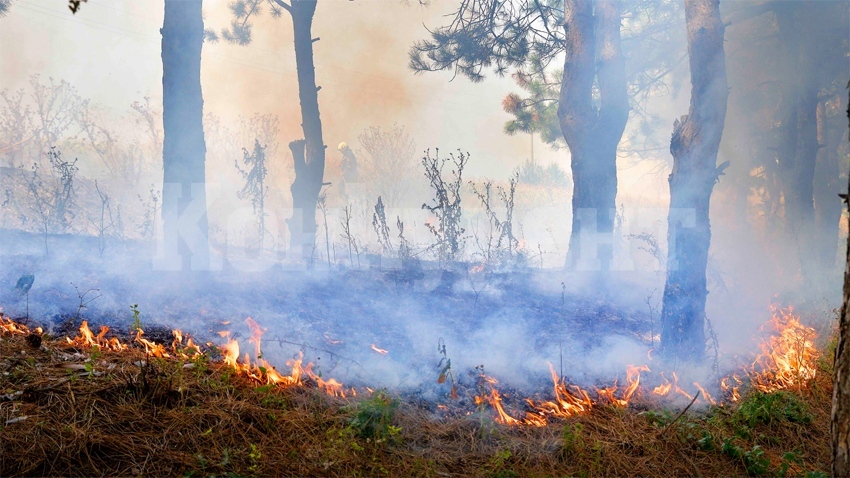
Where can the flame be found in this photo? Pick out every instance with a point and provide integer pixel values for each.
(733, 393)
(87, 338)
(332, 341)
(663, 389)
(261, 371)
(8, 325)
(704, 394)
(495, 401)
(788, 358)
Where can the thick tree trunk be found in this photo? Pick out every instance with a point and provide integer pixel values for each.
(799, 196)
(840, 428)
(696, 140)
(828, 174)
(309, 153)
(798, 134)
(184, 213)
(592, 35)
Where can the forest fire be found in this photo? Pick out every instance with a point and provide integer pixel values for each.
(12, 327)
(788, 358)
(566, 403)
(263, 372)
(88, 339)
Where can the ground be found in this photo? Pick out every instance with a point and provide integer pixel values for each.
(71, 410)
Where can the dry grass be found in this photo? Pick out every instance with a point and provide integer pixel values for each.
(167, 418)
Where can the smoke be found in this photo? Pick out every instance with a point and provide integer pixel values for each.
(586, 328)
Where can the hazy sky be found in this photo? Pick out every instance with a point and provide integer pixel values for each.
(111, 52)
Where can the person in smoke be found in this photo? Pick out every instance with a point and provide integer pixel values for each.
(349, 168)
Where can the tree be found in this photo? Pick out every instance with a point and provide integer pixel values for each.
(694, 146)
(255, 188)
(308, 154)
(592, 101)
(184, 209)
(788, 63)
(840, 425)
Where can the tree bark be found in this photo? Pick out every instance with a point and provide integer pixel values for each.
(840, 426)
(694, 146)
(593, 134)
(828, 173)
(185, 234)
(799, 197)
(309, 153)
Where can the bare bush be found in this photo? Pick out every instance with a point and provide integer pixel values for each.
(446, 206)
(388, 163)
(108, 224)
(254, 174)
(348, 236)
(382, 230)
(52, 194)
(151, 205)
(500, 244)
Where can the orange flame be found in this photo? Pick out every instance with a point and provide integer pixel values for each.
(788, 359)
(261, 371)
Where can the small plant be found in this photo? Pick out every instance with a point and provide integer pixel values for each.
(93, 358)
(571, 437)
(137, 323)
(788, 459)
(373, 417)
(445, 367)
(706, 442)
(382, 230)
(82, 297)
(756, 462)
(349, 238)
(768, 408)
(658, 418)
(497, 465)
(254, 455)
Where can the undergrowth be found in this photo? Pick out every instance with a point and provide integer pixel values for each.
(124, 414)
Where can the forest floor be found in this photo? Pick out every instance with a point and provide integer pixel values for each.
(71, 410)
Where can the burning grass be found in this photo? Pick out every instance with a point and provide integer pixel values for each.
(93, 405)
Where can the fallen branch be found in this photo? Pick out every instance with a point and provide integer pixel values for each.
(679, 415)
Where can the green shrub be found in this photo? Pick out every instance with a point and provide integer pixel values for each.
(373, 417)
(772, 407)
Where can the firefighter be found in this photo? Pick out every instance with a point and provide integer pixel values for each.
(349, 168)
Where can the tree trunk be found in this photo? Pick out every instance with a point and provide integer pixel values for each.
(840, 427)
(309, 153)
(694, 146)
(184, 211)
(827, 209)
(593, 134)
(799, 197)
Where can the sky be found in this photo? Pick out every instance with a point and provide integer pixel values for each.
(110, 51)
